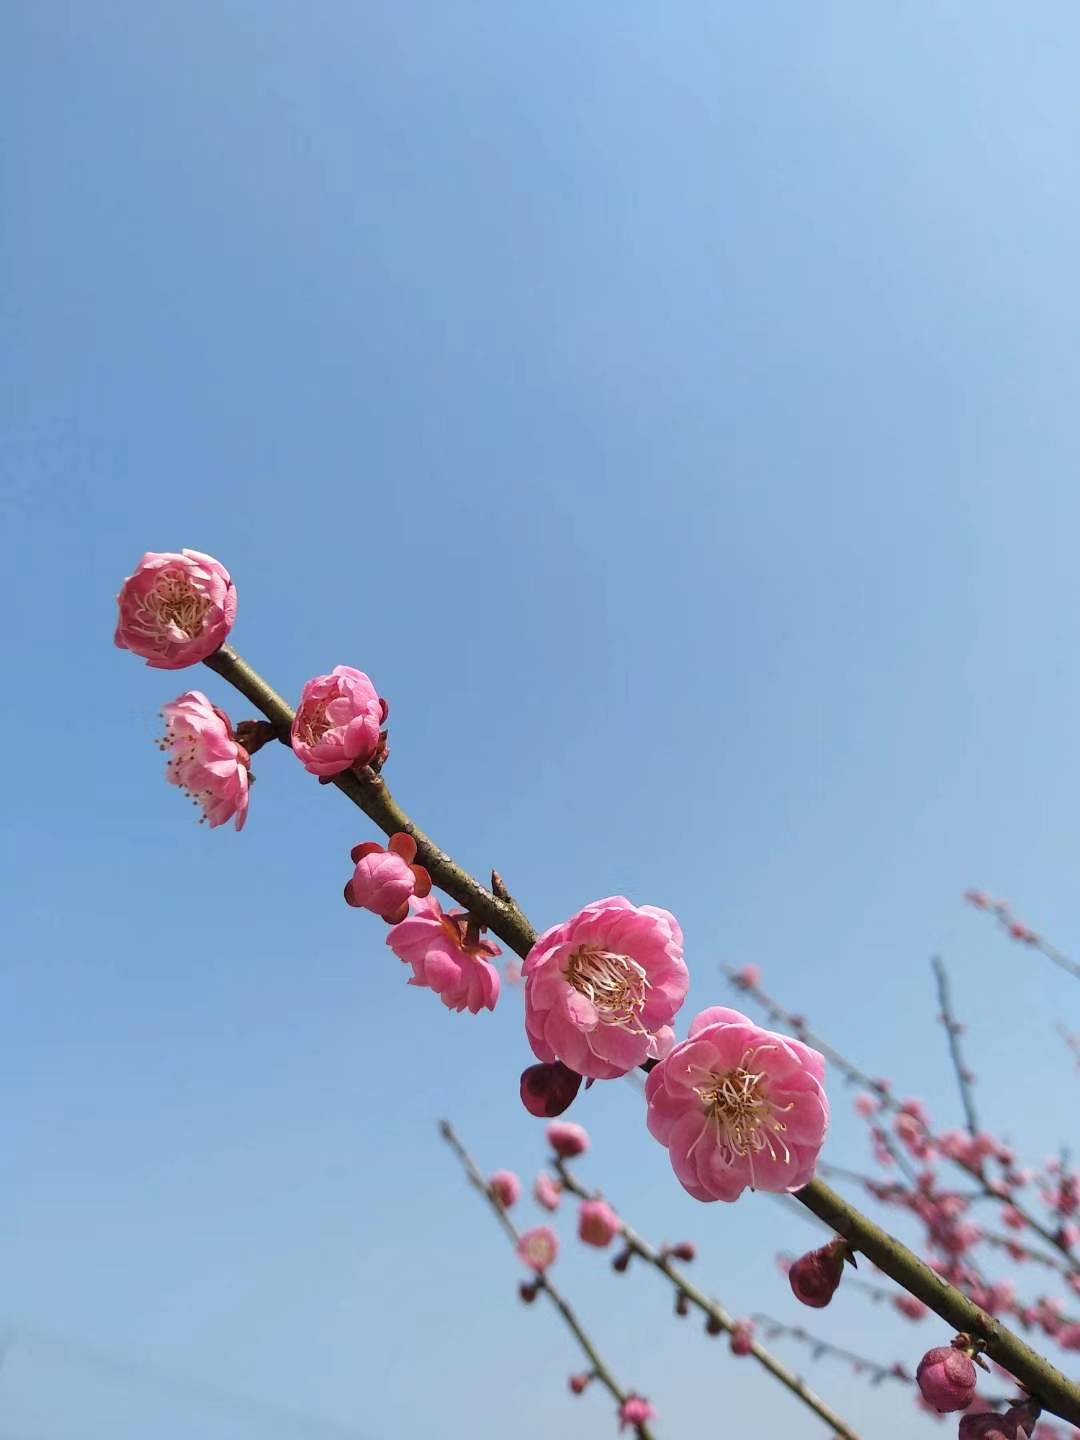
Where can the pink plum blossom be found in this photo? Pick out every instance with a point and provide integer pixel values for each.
(635, 1410)
(547, 1192)
(175, 610)
(338, 722)
(204, 759)
(738, 1106)
(385, 880)
(748, 978)
(911, 1307)
(506, 1187)
(946, 1377)
(597, 1223)
(602, 989)
(567, 1139)
(538, 1248)
(447, 955)
(1016, 1423)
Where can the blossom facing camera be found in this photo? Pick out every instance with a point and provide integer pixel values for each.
(738, 1106)
(385, 880)
(447, 955)
(506, 1187)
(946, 1377)
(338, 722)
(548, 1090)
(568, 1139)
(814, 1277)
(176, 609)
(602, 989)
(204, 759)
(538, 1248)
(635, 1410)
(597, 1223)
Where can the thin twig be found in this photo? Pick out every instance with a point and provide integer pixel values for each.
(877, 1371)
(1018, 931)
(715, 1312)
(541, 1280)
(952, 1030)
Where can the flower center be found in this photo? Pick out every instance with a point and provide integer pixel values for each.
(314, 724)
(745, 1120)
(174, 601)
(614, 983)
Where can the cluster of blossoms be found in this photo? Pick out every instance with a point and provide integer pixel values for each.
(735, 1105)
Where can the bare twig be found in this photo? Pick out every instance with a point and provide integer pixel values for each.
(542, 1282)
(952, 1030)
(1018, 931)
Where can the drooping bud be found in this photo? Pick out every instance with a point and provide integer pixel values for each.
(815, 1276)
(682, 1304)
(713, 1326)
(946, 1377)
(579, 1383)
(548, 1090)
(622, 1260)
(528, 1291)
(685, 1250)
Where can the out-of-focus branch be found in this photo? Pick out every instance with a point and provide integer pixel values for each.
(1018, 931)
(714, 1311)
(953, 1030)
(859, 1363)
(542, 1282)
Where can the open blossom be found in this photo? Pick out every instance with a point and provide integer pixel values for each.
(385, 880)
(204, 759)
(738, 1106)
(506, 1187)
(447, 955)
(602, 989)
(175, 610)
(568, 1139)
(635, 1410)
(547, 1192)
(597, 1223)
(538, 1248)
(946, 1377)
(338, 722)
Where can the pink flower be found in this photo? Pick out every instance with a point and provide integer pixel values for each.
(737, 1105)
(506, 1187)
(538, 1248)
(946, 1377)
(205, 760)
(547, 1192)
(742, 1338)
(635, 1410)
(385, 880)
(447, 956)
(866, 1105)
(602, 989)
(1015, 1424)
(976, 898)
(568, 1139)
(814, 1277)
(548, 1090)
(597, 1223)
(176, 609)
(338, 722)
(911, 1307)
(748, 978)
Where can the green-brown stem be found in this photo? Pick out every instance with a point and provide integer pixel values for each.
(599, 1369)
(715, 1312)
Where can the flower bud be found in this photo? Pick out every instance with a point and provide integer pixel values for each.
(742, 1338)
(685, 1250)
(548, 1090)
(506, 1188)
(597, 1223)
(713, 1326)
(946, 1378)
(814, 1277)
(527, 1290)
(622, 1260)
(578, 1383)
(567, 1139)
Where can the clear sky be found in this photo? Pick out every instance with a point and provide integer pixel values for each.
(674, 408)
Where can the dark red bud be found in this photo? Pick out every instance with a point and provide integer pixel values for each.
(527, 1290)
(684, 1250)
(622, 1260)
(815, 1277)
(682, 1304)
(713, 1326)
(548, 1090)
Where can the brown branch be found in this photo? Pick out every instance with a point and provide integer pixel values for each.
(715, 1312)
(542, 1282)
(952, 1030)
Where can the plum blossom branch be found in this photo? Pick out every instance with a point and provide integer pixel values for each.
(713, 1311)
(1018, 931)
(599, 1370)
(859, 1363)
(953, 1030)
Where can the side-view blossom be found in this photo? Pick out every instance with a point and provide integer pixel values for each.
(204, 759)
(597, 1223)
(547, 1192)
(567, 1139)
(506, 1187)
(738, 1106)
(602, 989)
(176, 609)
(447, 955)
(635, 1410)
(538, 1248)
(385, 879)
(337, 723)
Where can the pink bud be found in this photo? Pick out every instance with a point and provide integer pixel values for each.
(548, 1090)
(567, 1140)
(385, 880)
(976, 898)
(814, 1277)
(578, 1383)
(685, 1250)
(913, 1308)
(742, 1338)
(597, 1223)
(506, 1187)
(946, 1377)
(538, 1248)
(547, 1192)
(748, 978)
(635, 1410)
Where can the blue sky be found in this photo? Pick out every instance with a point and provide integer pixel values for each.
(673, 408)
